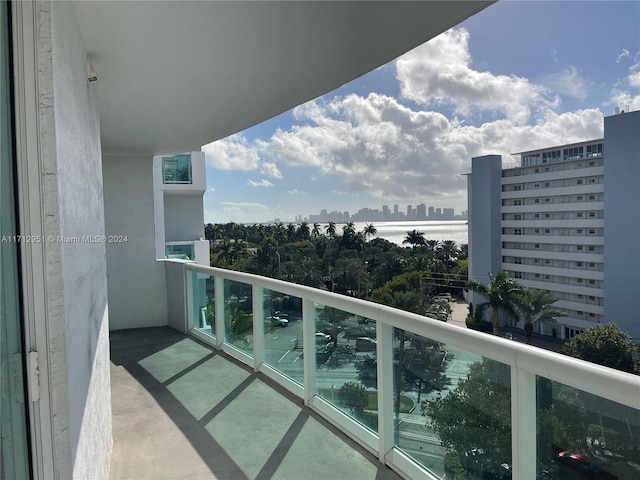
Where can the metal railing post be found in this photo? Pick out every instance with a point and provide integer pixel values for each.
(258, 327)
(523, 423)
(384, 351)
(218, 287)
(309, 349)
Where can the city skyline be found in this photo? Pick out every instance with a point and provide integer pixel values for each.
(387, 213)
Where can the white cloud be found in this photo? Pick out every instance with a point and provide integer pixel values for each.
(634, 79)
(385, 149)
(271, 170)
(625, 53)
(439, 72)
(261, 183)
(567, 82)
(390, 151)
(231, 153)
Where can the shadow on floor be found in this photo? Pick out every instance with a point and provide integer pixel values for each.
(184, 410)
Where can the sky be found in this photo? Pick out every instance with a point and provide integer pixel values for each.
(520, 75)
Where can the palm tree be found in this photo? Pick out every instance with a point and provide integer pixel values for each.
(501, 294)
(536, 305)
(317, 231)
(415, 238)
(331, 229)
(303, 231)
(369, 230)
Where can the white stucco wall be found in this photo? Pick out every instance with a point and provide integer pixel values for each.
(76, 269)
(136, 281)
(183, 217)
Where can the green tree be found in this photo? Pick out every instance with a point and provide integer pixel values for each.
(605, 345)
(476, 415)
(303, 231)
(414, 238)
(369, 230)
(536, 306)
(500, 294)
(317, 231)
(331, 229)
(354, 396)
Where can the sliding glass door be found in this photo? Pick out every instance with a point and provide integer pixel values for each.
(14, 456)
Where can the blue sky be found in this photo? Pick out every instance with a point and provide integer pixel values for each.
(519, 75)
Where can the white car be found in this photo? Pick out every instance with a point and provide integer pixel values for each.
(443, 297)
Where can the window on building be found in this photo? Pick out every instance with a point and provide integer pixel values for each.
(592, 232)
(579, 198)
(547, 184)
(536, 200)
(579, 214)
(517, 231)
(547, 200)
(592, 265)
(592, 214)
(592, 248)
(592, 197)
(578, 264)
(579, 231)
(547, 230)
(579, 182)
(547, 215)
(537, 215)
(592, 282)
(592, 180)
(537, 275)
(537, 245)
(579, 248)
(537, 230)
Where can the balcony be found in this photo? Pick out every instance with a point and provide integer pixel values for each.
(521, 408)
(176, 169)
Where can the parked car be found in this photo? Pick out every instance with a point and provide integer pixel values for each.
(279, 321)
(577, 462)
(365, 344)
(443, 297)
(322, 339)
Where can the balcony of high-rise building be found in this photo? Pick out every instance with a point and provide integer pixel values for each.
(124, 358)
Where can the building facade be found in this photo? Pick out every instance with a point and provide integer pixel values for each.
(549, 223)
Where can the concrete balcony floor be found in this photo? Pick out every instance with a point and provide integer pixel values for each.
(184, 410)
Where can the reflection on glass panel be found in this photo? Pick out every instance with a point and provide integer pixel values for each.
(176, 169)
(203, 303)
(581, 435)
(182, 251)
(346, 364)
(238, 315)
(14, 452)
(283, 334)
(452, 409)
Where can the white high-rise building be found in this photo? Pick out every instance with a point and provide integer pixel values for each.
(550, 224)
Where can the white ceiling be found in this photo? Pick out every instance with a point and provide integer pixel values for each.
(176, 75)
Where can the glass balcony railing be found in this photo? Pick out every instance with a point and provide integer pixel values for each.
(433, 400)
(181, 251)
(176, 169)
